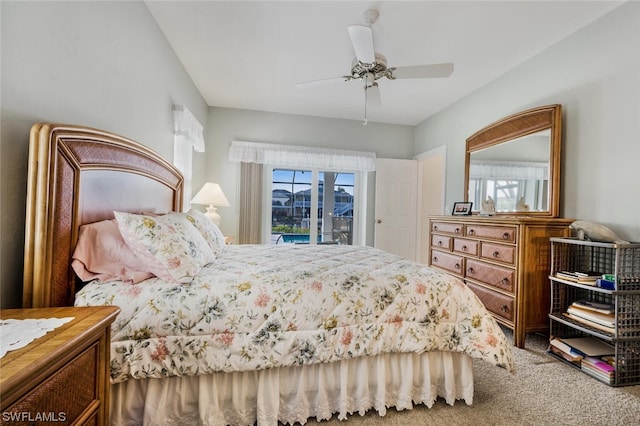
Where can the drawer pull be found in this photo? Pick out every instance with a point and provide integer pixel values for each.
(504, 308)
(506, 236)
(470, 270)
(457, 230)
(440, 243)
(472, 232)
(435, 259)
(505, 281)
(464, 248)
(457, 266)
(496, 254)
(435, 227)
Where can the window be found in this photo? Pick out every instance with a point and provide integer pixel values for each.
(319, 171)
(508, 192)
(310, 206)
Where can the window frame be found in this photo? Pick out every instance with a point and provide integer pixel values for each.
(359, 204)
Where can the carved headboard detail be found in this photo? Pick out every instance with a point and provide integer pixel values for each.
(80, 175)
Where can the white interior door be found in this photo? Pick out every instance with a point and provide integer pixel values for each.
(396, 206)
(431, 194)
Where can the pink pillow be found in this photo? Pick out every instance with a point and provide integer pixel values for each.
(101, 253)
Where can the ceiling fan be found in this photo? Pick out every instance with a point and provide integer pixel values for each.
(369, 66)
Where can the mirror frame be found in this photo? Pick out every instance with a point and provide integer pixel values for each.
(516, 126)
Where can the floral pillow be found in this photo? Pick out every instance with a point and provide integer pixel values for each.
(209, 230)
(175, 247)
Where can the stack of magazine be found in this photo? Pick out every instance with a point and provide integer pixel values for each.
(587, 277)
(592, 278)
(591, 355)
(600, 316)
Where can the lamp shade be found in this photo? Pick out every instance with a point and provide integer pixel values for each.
(211, 194)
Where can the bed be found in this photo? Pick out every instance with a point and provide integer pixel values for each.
(254, 334)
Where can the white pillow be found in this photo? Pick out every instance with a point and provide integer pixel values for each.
(170, 242)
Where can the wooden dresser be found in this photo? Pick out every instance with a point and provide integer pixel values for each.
(62, 377)
(504, 260)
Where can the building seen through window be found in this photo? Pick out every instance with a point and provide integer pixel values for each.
(296, 208)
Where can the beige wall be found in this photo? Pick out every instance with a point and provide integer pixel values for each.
(595, 75)
(100, 64)
(225, 125)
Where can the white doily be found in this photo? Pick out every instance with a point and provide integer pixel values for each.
(16, 334)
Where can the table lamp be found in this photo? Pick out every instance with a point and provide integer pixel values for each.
(211, 194)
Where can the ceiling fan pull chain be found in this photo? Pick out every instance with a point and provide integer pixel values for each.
(364, 122)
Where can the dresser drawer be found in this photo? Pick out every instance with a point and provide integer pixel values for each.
(502, 233)
(498, 252)
(448, 228)
(441, 242)
(496, 303)
(447, 261)
(468, 247)
(68, 393)
(496, 276)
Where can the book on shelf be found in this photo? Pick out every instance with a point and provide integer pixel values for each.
(598, 368)
(581, 277)
(558, 347)
(589, 346)
(574, 359)
(591, 355)
(607, 320)
(589, 323)
(602, 308)
(606, 284)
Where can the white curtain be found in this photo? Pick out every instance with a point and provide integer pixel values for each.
(187, 126)
(302, 157)
(508, 170)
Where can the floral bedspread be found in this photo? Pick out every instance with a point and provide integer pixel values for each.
(260, 307)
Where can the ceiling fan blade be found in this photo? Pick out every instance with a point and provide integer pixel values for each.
(322, 81)
(423, 71)
(362, 40)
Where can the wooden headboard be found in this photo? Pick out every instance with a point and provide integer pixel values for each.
(80, 175)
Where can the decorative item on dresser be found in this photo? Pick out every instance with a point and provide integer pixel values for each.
(504, 260)
(62, 376)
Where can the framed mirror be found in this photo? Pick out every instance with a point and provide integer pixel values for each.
(514, 164)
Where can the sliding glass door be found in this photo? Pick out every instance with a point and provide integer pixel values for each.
(311, 207)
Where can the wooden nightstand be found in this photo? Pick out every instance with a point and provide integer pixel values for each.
(62, 377)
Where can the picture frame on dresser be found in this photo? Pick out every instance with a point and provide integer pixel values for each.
(462, 208)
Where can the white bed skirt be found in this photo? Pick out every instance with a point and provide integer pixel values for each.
(294, 394)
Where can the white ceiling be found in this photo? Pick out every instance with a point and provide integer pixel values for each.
(250, 55)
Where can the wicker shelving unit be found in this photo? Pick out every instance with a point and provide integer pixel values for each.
(621, 260)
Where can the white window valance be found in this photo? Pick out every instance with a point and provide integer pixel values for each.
(302, 156)
(187, 126)
(508, 170)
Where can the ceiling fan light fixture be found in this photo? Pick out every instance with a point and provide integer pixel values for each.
(371, 16)
(378, 67)
(369, 80)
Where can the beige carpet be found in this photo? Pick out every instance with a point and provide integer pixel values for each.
(543, 391)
